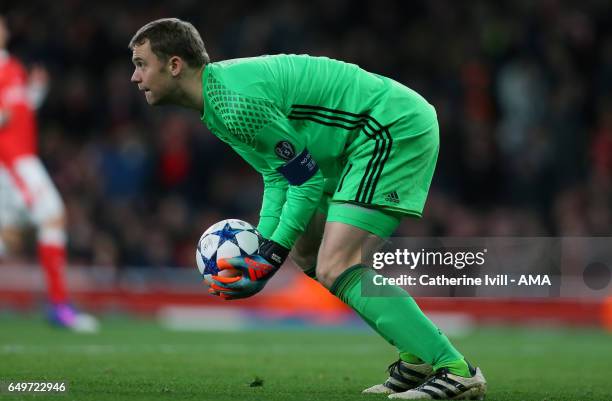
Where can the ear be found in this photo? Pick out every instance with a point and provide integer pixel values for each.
(175, 65)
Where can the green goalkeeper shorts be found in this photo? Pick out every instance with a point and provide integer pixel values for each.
(383, 182)
(393, 173)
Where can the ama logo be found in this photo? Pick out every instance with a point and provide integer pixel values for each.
(531, 279)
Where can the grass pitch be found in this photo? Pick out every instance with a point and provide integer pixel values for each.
(138, 360)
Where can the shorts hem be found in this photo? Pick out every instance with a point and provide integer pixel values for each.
(374, 220)
(398, 211)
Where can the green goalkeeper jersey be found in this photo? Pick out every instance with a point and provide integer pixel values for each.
(296, 119)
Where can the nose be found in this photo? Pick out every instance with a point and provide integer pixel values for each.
(135, 77)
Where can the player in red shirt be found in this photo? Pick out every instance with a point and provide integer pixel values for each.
(27, 189)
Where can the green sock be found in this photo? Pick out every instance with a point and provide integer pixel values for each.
(398, 319)
(373, 326)
(459, 367)
(408, 357)
(404, 355)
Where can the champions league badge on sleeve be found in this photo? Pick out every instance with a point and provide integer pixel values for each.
(284, 150)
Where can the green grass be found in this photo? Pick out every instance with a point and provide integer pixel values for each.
(138, 360)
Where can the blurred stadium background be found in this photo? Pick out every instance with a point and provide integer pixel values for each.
(523, 91)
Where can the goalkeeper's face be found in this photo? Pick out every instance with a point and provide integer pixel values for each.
(152, 75)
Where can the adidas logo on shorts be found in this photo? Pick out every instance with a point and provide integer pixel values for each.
(392, 197)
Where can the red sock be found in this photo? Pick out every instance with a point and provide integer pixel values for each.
(53, 260)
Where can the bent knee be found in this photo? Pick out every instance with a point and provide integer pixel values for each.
(333, 261)
(325, 275)
(328, 271)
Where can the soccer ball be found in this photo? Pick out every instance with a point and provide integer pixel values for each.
(225, 239)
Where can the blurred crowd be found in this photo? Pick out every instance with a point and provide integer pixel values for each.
(522, 90)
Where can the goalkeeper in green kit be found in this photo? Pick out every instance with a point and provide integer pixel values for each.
(344, 154)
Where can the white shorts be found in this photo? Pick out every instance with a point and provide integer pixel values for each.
(27, 194)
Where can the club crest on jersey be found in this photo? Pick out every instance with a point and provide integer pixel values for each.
(284, 150)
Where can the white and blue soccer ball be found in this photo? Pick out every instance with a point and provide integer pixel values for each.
(225, 239)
